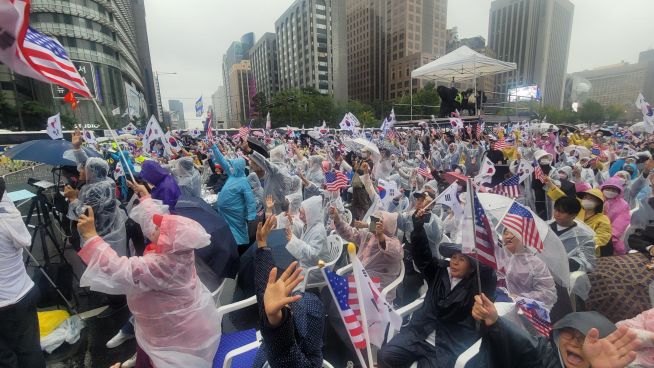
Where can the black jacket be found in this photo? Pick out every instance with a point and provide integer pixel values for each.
(445, 310)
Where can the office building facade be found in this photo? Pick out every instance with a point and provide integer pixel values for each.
(176, 108)
(416, 35)
(219, 102)
(107, 41)
(312, 46)
(240, 78)
(534, 34)
(237, 51)
(263, 58)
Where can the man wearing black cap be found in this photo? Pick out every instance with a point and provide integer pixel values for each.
(578, 340)
(443, 328)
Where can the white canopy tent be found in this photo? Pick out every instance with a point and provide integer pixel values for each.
(460, 65)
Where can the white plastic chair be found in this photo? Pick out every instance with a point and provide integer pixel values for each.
(335, 246)
(218, 292)
(254, 345)
(224, 310)
(347, 217)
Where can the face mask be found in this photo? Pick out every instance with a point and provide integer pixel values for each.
(588, 204)
(545, 162)
(609, 194)
(563, 176)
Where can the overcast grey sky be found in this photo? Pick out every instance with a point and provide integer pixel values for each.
(190, 37)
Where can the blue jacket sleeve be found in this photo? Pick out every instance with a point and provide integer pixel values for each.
(617, 166)
(220, 159)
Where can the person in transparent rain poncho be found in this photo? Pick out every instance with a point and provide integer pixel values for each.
(186, 176)
(175, 320)
(311, 246)
(99, 193)
(277, 179)
(525, 274)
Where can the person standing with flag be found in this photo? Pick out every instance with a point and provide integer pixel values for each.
(443, 328)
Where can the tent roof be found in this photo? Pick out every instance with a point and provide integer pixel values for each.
(462, 64)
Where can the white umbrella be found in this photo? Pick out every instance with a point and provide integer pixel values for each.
(581, 150)
(540, 128)
(362, 143)
(553, 254)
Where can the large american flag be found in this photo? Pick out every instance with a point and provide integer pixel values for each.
(335, 181)
(509, 187)
(521, 221)
(33, 54)
(484, 243)
(244, 132)
(539, 174)
(340, 289)
(536, 314)
(424, 171)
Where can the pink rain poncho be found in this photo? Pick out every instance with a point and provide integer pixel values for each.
(617, 210)
(383, 263)
(643, 325)
(175, 318)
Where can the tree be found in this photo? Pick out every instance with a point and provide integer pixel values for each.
(591, 111)
(425, 103)
(614, 112)
(8, 114)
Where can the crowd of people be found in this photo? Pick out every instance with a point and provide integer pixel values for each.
(385, 192)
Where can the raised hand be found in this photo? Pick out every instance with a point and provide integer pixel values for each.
(139, 189)
(270, 202)
(76, 139)
(333, 212)
(613, 351)
(277, 292)
(264, 229)
(70, 193)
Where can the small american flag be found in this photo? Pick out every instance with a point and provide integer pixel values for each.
(352, 299)
(484, 242)
(501, 144)
(244, 132)
(424, 171)
(521, 221)
(335, 181)
(480, 127)
(509, 187)
(536, 314)
(539, 174)
(390, 134)
(339, 286)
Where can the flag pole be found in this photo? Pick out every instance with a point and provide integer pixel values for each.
(115, 138)
(471, 200)
(351, 249)
(321, 265)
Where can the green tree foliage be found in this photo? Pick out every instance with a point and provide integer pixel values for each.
(591, 111)
(425, 104)
(615, 112)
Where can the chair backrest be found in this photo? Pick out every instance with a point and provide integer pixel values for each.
(218, 292)
(347, 217)
(335, 244)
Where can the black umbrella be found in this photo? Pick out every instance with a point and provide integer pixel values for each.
(605, 132)
(570, 128)
(309, 139)
(256, 145)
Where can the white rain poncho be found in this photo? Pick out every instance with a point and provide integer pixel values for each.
(175, 318)
(311, 246)
(99, 193)
(294, 202)
(579, 243)
(255, 184)
(187, 177)
(315, 176)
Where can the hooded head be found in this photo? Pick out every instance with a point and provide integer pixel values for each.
(184, 166)
(294, 202)
(543, 157)
(311, 211)
(613, 188)
(277, 154)
(592, 199)
(178, 234)
(96, 170)
(569, 332)
(254, 181)
(237, 167)
(152, 172)
(565, 172)
(389, 221)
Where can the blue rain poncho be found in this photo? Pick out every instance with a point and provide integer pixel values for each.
(236, 200)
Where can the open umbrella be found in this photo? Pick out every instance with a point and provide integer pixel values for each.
(605, 132)
(361, 143)
(452, 176)
(496, 206)
(46, 151)
(581, 150)
(570, 128)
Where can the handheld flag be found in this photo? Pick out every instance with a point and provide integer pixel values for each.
(88, 136)
(486, 172)
(244, 132)
(648, 113)
(387, 191)
(521, 221)
(449, 197)
(338, 286)
(536, 314)
(335, 181)
(509, 187)
(424, 171)
(33, 54)
(153, 131)
(130, 128)
(482, 244)
(54, 127)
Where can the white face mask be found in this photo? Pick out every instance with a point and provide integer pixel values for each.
(545, 161)
(588, 204)
(563, 176)
(609, 194)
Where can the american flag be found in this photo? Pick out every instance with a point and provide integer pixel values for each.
(352, 299)
(33, 54)
(390, 134)
(539, 174)
(509, 187)
(340, 289)
(501, 144)
(536, 314)
(484, 243)
(521, 221)
(335, 181)
(244, 132)
(424, 171)
(480, 127)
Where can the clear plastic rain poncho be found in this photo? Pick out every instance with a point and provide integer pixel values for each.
(526, 275)
(175, 317)
(99, 193)
(255, 184)
(277, 179)
(311, 246)
(187, 177)
(294, 203)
